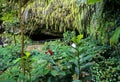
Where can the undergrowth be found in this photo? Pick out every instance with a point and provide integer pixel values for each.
(64, 64)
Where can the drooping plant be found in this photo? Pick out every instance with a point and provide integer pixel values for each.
(54, 15)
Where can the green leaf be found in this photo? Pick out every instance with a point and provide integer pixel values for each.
(62, 73)
(93, 1)
(8, 80)
(77, 71)
(87, 65)
(46, 71)
(17, 60)
(115, 37)
(74, 40)
(77, 81)
(27, 54)
(84, 59)
(79, 37)
(54, 72)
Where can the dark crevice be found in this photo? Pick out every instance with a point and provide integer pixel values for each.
(43, 37)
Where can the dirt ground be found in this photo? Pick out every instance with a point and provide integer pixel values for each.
(34, 47)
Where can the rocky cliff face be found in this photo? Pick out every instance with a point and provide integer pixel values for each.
(2, 27)
(52, 17)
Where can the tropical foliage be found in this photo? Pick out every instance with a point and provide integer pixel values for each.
(64, 64)
(93, 26)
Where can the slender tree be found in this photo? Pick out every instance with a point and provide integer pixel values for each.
(22, 36)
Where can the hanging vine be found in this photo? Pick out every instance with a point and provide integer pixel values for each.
(57, 15)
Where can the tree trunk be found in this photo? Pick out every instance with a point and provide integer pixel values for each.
(22, 37)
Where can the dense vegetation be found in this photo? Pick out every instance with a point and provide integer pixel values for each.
(92, 25)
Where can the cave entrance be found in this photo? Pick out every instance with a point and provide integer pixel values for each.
(44, 37)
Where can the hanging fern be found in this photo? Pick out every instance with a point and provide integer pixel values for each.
(61, 14)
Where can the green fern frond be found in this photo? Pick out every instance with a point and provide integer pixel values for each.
(115, 37)
(87, 65)
(84, 59)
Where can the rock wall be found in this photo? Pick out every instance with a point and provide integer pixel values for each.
(53, 17)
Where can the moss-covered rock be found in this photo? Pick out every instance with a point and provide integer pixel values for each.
(54, 16)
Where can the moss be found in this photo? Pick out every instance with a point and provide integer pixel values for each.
(57, 15)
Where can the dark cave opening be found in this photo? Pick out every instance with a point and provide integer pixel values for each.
(44, 37)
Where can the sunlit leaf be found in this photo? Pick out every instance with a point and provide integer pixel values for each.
(115, 37)
(17, 60)
(27, 54)
(79, 37)
(93, 1)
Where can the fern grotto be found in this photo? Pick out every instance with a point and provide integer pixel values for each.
(59, 40)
